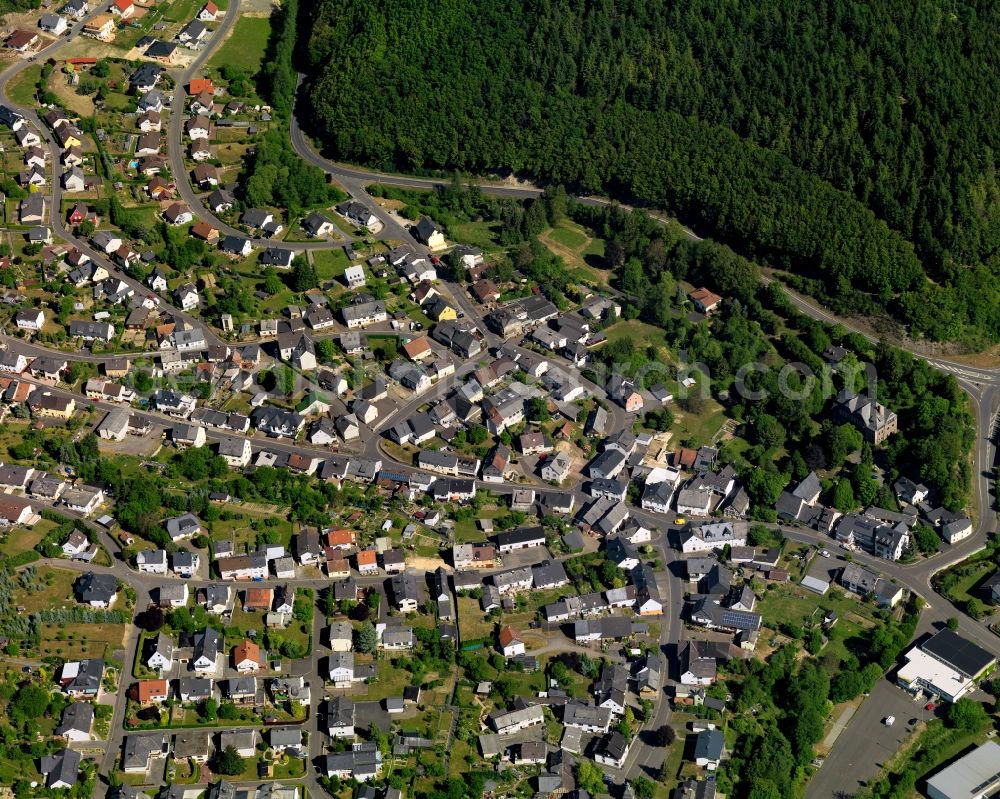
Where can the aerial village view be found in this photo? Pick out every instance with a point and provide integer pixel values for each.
(380, 482)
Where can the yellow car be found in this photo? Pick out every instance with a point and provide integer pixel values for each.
(680, 520)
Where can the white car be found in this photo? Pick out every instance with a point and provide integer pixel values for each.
(889, 721)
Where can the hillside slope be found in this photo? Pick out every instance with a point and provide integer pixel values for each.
(853, 144)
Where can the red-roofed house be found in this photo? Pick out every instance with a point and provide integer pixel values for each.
(21, 41)
(123, 8)
(510, 644)
(340, 539)
(209, 12)
(367, 561)
(146, 691)
(705, 301)
(685, 458)
(199, 85)
(486, 291)
(418, 349)
(246, 657)
(258, 599)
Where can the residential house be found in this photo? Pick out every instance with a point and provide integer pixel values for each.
(316, 225)
(429, 234)
(97, 590)
(151, 561)
(184, 526)
(874, 420)
(509, 642)
(207, 647)
(61, 769)
(76, 722)
(705, 301)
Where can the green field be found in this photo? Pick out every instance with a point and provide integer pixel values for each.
(961, 582)
(484, 235)
(182, 10)
(641, 333)
(246, 45)
(330, 264)
(790, 603)
(390, 681)
(22, 88)
(582, 254)
(570, 236)
(22, 539)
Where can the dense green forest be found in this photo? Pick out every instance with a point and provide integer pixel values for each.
(6, 6)
(853, 144)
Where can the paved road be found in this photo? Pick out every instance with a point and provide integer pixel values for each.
(57, 223)
(175, 148)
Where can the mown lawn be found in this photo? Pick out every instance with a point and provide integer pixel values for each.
(642, 334)
(700, 428)
(181, 10)
(570, 235)
(23, 539)
(582, 254)
(243, 529)
(391, 680)
(245, 46)
(792, 604)
(970, 575)
(330, 264)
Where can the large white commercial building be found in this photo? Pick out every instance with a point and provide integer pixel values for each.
(945, 665)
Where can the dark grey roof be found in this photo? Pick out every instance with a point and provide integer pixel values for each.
(549, 573)
(207, 643)
(717, 581)
(404, 586)
(63, 766)
(425, 228)
(522, 535)
(139, 748)
(233, 244)
(88, 677)
(159, 49)
(93, 587)
(961, 654)
(76, 716)
(276, 256)
(339, 712)
(808, 488)
(709, 744)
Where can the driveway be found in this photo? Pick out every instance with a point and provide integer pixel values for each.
(866, 744)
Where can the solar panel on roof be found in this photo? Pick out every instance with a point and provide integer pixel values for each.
(739, 619)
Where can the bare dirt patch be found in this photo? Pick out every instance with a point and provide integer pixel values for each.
(79, 104)
(424, 564)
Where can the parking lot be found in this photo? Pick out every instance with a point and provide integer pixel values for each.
(866, 744)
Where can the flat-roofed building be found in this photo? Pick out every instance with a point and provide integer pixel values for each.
(946, 665)
(975, 776)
